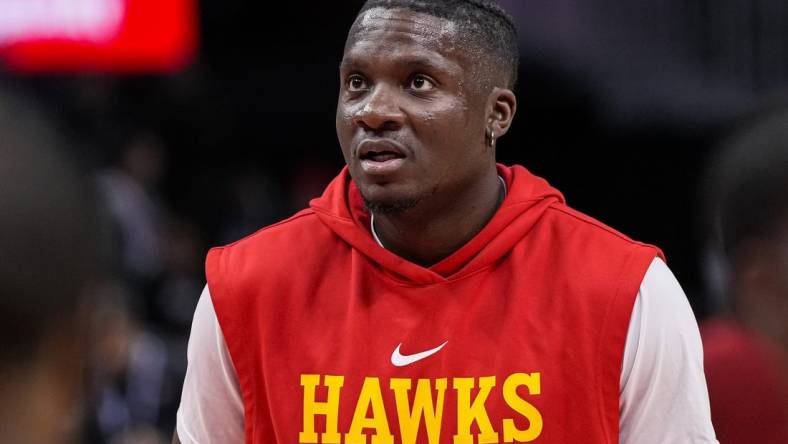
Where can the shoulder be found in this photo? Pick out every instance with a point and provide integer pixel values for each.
(572, 221)
(276, 251)
(596, 248)
(305, 221)
(291, 238)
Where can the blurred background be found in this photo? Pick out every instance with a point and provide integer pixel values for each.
(199, 123)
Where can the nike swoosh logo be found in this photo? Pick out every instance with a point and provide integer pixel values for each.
(400, 360)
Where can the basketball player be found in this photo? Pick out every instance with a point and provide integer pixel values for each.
(434, 296)
(46, 261)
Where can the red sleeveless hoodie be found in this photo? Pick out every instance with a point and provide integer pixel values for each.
(516, 337)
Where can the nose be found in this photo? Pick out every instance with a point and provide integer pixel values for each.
(381, 111)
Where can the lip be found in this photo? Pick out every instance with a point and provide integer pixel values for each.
(368, 146)
(385, 167)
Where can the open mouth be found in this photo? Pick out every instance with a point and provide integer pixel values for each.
(381, 156)
(380, 150)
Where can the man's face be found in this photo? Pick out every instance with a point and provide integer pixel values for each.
(410, 116)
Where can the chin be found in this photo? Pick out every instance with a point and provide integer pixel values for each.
(390, 207)
(389, 198)
(384, 200)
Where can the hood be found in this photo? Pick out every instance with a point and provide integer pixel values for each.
(342, 210)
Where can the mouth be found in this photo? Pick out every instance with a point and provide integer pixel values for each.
(381, 157)
(380, 150)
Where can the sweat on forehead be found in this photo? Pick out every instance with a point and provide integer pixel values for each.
(481, 28)
(440, 34)
(425, 24)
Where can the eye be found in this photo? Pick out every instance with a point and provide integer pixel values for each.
(356, 83)
(421, 83)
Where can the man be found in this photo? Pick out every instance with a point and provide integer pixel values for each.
(431, 295)
(749, 213)
(46, 262)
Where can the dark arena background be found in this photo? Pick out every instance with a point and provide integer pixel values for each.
(622, 105)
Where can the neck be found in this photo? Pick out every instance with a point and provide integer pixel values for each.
(432, 231)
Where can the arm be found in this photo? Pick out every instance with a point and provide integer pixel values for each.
(663, 387)
(211, 409)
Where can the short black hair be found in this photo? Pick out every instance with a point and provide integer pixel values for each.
(748, 182)
(482, 24)
(46, 231)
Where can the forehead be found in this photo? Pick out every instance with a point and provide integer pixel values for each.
(400, 33)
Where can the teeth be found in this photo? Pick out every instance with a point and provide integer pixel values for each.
(382, 157)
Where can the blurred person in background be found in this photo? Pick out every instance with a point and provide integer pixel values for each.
(427, 273)
(127, 371)
(253, 199)
(747, 346)
(144, 319)
(131, 196)
(47, 254)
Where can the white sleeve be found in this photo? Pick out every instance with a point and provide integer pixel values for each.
(211, 409)
(663, 388)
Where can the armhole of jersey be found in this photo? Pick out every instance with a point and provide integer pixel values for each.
(221, 291)
(614, 332)
(633, 338)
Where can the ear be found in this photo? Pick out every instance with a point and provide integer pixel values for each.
(501, 107)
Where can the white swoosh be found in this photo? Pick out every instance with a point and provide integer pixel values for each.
(400, 360)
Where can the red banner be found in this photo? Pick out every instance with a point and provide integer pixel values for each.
(123, 36)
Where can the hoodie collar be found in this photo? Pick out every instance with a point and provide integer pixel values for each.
(342, 210)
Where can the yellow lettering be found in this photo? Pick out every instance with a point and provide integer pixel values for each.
(370, 397)
(468, 412)
(330, 409)
(409, 418)
(533, 383)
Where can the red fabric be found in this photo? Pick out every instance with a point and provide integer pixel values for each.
(748, 384)
(541, 289)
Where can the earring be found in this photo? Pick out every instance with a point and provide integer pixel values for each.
(490, 136)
